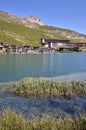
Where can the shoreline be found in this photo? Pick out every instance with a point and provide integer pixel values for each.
(81, 76)
(33, 52)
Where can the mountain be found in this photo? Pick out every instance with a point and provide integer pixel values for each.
(35, 20)
(29, 30)
(30, 21)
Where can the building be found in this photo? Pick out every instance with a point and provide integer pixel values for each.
(62, 44)
(25, 48)
(1, 46)
(54, 43)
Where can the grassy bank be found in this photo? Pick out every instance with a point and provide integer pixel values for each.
(11, 121)
(40, 87)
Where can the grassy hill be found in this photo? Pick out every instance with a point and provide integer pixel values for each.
(14, 32)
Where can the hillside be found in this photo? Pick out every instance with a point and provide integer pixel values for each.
(29, 30)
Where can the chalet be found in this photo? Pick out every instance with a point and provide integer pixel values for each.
(13, 48)
(25, 48)
(1, 46)
(6, 47)
(47, 50)
(19, 49)
(81, 46)
(36, 49)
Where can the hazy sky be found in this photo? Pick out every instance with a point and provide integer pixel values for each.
(69, 14)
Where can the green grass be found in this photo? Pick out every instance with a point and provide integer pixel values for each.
(10, 32)
(13, 33)
(9, 120)
(40, 87)
(18, 34)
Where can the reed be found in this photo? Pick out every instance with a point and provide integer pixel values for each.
(41, 87)
(9, 120)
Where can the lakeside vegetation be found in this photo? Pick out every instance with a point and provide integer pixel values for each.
(9, 120)
(41, 87)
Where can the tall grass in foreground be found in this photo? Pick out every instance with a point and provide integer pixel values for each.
(40, 87)
(11, 121)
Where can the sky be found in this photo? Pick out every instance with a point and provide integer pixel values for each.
(69, 14)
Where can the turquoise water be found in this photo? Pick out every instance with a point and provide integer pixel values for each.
(65, 66)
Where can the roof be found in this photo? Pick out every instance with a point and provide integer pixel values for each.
(55, 41)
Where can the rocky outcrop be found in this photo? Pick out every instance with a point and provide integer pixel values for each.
(30, 21)
(35, 19)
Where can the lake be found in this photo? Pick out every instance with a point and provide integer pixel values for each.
(71, 66)
(61, 66)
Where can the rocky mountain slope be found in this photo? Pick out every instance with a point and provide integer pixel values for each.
(29, 21)
(29, 30)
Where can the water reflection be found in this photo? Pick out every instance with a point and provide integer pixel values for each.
(15, 67)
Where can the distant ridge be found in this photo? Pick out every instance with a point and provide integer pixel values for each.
(30, 21)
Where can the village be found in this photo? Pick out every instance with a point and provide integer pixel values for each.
(48, 46)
